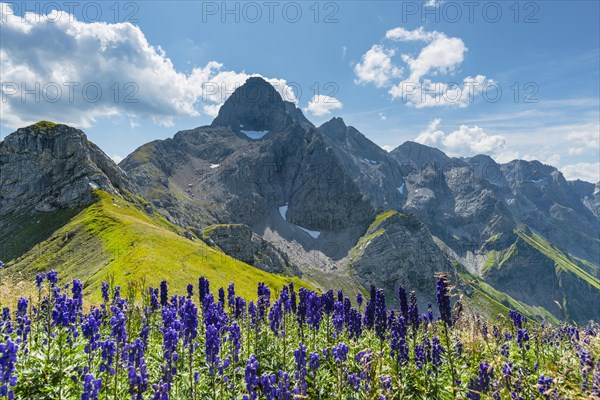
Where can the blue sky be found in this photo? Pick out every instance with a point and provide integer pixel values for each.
(391, 69)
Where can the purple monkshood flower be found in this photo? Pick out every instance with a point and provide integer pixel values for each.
(327, 302)
(39, 280)
(413, 311)
(52, 277)
(443, 300)
(91, 387)
(398, 345)
(203, 289)
(222, 297)
(313, 363)
(119, 330)
(108, 350)
(213, 346)
(263, 303)
(276, 317)
(436, 353)
(403, 301)
(161, 391)
(517, 319)
(231, 296)
(235, 337)
(23, 322)
(481, 384)
(1, 265)
(354, 324)
(544, 385)
(300, 357)
(240, 307)
(359, 299)
(190, 290)
(90, 328)
(137, 374)
(338, 316)
(380, 314)
(105, 292)
(8, 358)
(189, 319)
(313, 312)
(164, 293)
(340, 352)
(154, 304)
(523, 338)
(251, 377)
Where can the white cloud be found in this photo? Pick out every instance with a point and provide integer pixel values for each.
(435, 94)
(116, 158)
(113, 68)
(465, 141)
(388, 148)
(402, 35)
(589, 172)
(376, 67)
(382, 116)
(441, 55)
(587, 137)
(321, 105)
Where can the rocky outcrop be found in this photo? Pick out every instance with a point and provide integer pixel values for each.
(375, 172)
(543, 199)
(239, 242)
(398, 249)
(47, 167)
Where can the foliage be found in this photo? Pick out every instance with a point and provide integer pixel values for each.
(212, 344)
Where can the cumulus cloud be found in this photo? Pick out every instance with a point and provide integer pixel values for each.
(58, 68)
(585, 139)
(589, 172)
(321, 105)
(465, 141)
(376, 67)
(402, 35)
(441, 55)
(116, 158)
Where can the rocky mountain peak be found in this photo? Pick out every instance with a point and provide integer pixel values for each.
(335, 128)
(418, 154)
(48, 166)
(257, 107)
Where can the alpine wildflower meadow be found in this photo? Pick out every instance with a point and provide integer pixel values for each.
(297, 344)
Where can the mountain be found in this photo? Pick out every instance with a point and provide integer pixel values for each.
(263, 194)
(67, 206)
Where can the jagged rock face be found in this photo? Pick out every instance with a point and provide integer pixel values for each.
(399, 251)
(257, 106)
(230, 179)
(377, 175)
(456, 204)
(590, 195)
(241, 243)
(542, 198)
(47, 167)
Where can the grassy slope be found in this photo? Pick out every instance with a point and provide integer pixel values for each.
(117, 240)
(562, 261)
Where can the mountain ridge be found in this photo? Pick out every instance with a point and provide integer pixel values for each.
(304, 197)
